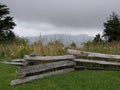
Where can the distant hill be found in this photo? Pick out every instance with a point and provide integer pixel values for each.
(65, 39)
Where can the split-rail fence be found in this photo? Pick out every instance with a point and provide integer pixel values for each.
(36, 67)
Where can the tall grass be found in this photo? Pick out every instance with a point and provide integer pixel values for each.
(102, 47)
(15, 50)
(54, 47)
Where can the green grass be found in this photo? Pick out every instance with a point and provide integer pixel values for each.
(77, 80)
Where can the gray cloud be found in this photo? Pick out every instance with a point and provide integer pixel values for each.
(63, 13)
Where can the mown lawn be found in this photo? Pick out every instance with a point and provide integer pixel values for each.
(77, 80)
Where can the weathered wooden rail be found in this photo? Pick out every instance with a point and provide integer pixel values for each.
(102, 64)
(50, 65)
(29, 59)
(91, 54)
(27, 79)
(32, 68)
(14, 62)
(42, 67)
(97, 62)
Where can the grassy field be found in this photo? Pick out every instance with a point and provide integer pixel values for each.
(77, 80)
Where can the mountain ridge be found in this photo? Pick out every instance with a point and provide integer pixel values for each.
(66, 39)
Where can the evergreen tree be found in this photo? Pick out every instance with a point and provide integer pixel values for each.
(112, 28)
(6, 24)
(73, 44)
(97, 38)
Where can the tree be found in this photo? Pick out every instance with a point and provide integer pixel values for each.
(112, 28)
(6, 24)
(73, 44)
(97, 38)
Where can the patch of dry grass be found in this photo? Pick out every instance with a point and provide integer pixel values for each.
(109, 48)
(14, 50)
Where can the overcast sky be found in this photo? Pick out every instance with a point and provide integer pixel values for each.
(35, 17)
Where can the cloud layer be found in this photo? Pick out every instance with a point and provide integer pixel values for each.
(82, 16)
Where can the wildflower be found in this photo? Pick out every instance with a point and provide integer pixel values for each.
(22, 47)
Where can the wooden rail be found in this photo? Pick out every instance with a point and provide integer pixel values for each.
(31, 78)
(13, 63)
(49, 58)
(17, 60)
(42, 67)
(29, 59)
(91, 54)
(54, 65)
(97, 62)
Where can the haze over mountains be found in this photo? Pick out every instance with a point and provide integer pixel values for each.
(65, 39)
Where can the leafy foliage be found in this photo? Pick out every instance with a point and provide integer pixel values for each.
(6, 24)
(112, 28)
(97, 38)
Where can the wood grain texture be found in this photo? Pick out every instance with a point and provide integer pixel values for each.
(91, 54)
(27, 79)
(43, 67)
(17, 60)
(12, 63)
(49, 58)
(97, 62)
